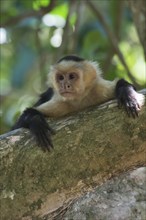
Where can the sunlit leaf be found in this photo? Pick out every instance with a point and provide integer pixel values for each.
(61, 10)
(37, 4)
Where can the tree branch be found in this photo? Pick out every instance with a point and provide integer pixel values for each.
(112, 38)
(138, 9)
(117, 26)
(90, 147)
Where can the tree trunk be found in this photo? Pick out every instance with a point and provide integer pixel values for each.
(89, 148)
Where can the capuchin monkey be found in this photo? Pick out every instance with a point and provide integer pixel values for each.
(73, 85)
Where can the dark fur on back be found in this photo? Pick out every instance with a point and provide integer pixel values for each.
(71, 58)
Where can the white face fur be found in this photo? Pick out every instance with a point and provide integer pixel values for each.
(87, 73)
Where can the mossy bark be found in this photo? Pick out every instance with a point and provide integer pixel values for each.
(89, 148)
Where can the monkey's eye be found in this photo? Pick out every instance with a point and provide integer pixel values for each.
(72, 76)
(60, 77)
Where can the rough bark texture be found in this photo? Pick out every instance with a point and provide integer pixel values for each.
(138, 8)
(121, 198)
(90, 147)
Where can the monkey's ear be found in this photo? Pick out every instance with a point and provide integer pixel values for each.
(35, 121)
(128, 97)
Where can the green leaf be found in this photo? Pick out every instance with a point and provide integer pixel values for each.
(61, 10)
(37, 4)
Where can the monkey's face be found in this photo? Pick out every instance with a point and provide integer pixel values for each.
(69, 84)
(72, 80)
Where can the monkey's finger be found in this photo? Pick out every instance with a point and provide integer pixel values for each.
(41, 140)
(51, 130)
(126, 107)
(50, 142)
(45, 141)
(138, 105)
(134, 107)
(119, 104)
(127, 110)
(133, 110)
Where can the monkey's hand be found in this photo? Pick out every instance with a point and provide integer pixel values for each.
(35, 121)
(128, 97)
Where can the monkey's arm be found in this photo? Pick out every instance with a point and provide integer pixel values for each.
(35, 118)
(128, 97)
(35, 121)
(124, 92)
(55, 108)
(38, 126)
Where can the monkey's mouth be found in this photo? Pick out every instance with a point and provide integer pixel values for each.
(66, 93)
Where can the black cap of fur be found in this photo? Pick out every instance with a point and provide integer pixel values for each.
(71, 58)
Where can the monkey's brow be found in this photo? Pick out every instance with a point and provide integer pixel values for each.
(61, 68)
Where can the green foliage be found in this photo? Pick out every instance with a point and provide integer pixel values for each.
(30, 45)
(61, 9)
(37, 4)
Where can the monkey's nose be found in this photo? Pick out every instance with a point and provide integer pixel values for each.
(68, 86)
